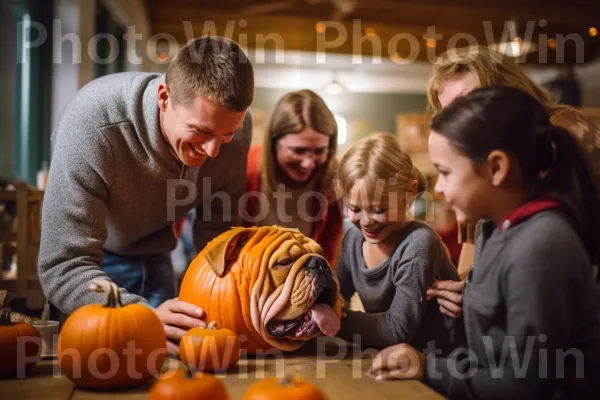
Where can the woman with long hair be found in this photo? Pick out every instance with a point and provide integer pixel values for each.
(290, 177)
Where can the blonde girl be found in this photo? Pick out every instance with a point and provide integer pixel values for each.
(388, 258)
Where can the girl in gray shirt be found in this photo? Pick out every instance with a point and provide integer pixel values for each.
(530, 304)
(388, 259)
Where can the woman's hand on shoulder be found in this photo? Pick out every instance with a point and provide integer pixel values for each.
(449, 296)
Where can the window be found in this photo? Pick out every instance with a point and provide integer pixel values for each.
(342, 129)
(110, 45)
(7, 74)
(26, 71)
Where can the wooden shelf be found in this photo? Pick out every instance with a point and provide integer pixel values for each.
(12, 247)
(8, 195)
(22, 239)
(8, 237)
(35, 196)
(36, 237)
(11, 284)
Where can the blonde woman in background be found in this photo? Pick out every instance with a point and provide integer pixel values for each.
(293, 172)
(458, 72)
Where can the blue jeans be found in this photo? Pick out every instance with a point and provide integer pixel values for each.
(150, 276)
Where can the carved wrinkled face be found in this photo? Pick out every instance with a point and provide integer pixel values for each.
(269, 283)
(296, 292)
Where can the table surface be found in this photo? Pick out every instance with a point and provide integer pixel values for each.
(338, 370)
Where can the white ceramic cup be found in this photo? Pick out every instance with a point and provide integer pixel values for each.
(49, 334)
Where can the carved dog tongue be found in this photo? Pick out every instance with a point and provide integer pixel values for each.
(325, 318)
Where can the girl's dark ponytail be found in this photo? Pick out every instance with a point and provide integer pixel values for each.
(570, 178)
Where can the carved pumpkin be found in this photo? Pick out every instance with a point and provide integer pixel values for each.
(112, 345)
(20, 346)
(209, 349)
(270, 285)
(289, 388)
(184, 385)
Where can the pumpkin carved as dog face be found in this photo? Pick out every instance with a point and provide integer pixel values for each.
(269, 283)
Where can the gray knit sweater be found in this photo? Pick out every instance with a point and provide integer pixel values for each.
(114, 184)
(531, 316)
(393, 293)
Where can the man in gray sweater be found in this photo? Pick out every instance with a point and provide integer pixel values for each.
(132, 154)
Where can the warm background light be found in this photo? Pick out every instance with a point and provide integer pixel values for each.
(396, 57)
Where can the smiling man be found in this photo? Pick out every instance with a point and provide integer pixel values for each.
(118, 148)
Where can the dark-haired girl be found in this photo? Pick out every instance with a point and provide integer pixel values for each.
(530, 305)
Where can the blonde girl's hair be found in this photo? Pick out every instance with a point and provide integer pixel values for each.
(377, 158)
(293, 113)
(489, 66)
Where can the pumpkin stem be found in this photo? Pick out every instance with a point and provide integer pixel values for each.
(5, 317)
(286, 380)
(212, 325)
(113, 296)
(190, 371)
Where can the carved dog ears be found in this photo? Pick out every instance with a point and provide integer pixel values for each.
(225, 248)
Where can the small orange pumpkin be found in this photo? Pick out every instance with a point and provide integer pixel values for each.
(185, 385)
(209, 349)
(112, 345)
(288, 388)
(20, 346)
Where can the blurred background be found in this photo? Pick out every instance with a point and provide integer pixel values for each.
(373, 64)
(370, 60)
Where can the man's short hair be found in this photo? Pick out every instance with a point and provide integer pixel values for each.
(215, 68)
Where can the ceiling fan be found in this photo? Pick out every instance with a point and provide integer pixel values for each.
(343, 8)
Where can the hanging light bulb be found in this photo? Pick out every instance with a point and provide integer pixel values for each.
(334, 87)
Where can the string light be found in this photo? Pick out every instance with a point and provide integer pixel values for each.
(396, 57)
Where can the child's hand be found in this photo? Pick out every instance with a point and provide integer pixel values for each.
(400, 361)
(449, 296)
(345, 305)
(178, 317)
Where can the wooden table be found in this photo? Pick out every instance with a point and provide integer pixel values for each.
(339, 375)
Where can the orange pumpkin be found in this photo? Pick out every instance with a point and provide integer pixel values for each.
(209, 349)
(184, 385)
(20, 346)
(288, 388)
(111, 346)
